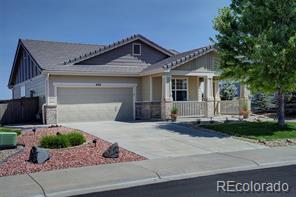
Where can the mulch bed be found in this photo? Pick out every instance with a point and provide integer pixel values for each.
(84, 155)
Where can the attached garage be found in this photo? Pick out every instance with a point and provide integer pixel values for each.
(82, 104)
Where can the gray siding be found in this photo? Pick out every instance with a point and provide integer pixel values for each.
(16, 92)
(206, 62)
(123, 56)
(25, 67)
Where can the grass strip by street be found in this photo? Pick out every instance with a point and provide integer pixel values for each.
(256, 130)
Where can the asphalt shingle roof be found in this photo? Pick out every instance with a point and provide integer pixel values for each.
(56, 53)
(61, 56)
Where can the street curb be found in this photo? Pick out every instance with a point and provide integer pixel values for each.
(102, 188)
(160, 179)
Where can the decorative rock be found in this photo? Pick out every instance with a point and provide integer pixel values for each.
(38, 155)
(54, 126)
(261, 141)
(112, 151)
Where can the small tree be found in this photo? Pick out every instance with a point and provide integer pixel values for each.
(228, 90)
(263, 102)
(256, 44)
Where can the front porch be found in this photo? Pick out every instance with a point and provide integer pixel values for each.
(193, 94)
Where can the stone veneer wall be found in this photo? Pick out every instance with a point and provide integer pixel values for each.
(50, 114)
(148, 110)
(166, 107)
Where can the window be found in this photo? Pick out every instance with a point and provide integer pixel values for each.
(137, 49)
(179, 89)
(23, 91)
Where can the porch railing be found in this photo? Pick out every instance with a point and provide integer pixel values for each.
(190, 108)
(229, 107)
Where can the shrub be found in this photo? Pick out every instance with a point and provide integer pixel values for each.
(75, 138)
(174, 110)
(58, 141)
(228, 90)
(62, 141)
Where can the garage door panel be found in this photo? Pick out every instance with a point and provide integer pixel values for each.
(94, 104)
(92, 95)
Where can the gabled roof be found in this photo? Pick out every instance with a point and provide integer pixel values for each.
(63, 57)
(178, 59)
(48, 53)
(118, 44)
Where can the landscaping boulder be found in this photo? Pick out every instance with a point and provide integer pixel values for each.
(38, 155)
(112, 151)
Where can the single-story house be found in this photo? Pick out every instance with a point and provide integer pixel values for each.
(133, 78)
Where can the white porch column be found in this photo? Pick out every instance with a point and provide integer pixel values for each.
(209, 98)
(167, 99)
(209, 88)
(244, 92)
(217, 96)
(244, 96)
(150, 89)
(200, 87)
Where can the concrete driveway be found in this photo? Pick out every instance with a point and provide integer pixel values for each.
(162, 139)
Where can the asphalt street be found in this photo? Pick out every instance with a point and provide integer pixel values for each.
(207, 186)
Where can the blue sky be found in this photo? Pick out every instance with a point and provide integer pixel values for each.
(177, 24)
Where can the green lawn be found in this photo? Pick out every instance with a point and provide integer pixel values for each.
(256, 130)
(3, 129)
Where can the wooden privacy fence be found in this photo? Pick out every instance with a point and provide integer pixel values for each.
(21, 110)
(190, 108)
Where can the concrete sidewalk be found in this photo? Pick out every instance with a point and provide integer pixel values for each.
(75, 181)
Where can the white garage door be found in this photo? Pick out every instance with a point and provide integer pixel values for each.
(94, 104)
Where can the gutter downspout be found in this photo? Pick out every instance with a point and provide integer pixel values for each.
(46, 98)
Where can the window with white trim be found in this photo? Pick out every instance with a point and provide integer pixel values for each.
(137, 50)
(180, 89)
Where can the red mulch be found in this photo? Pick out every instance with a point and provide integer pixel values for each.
(84, 155)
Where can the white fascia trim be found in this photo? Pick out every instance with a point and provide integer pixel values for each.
(101, 85)
(158, 71)
(195, 73)
(71, 73)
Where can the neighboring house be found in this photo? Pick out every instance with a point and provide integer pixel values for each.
(133, 78)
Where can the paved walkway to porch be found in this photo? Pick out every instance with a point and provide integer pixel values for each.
(163, 139)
